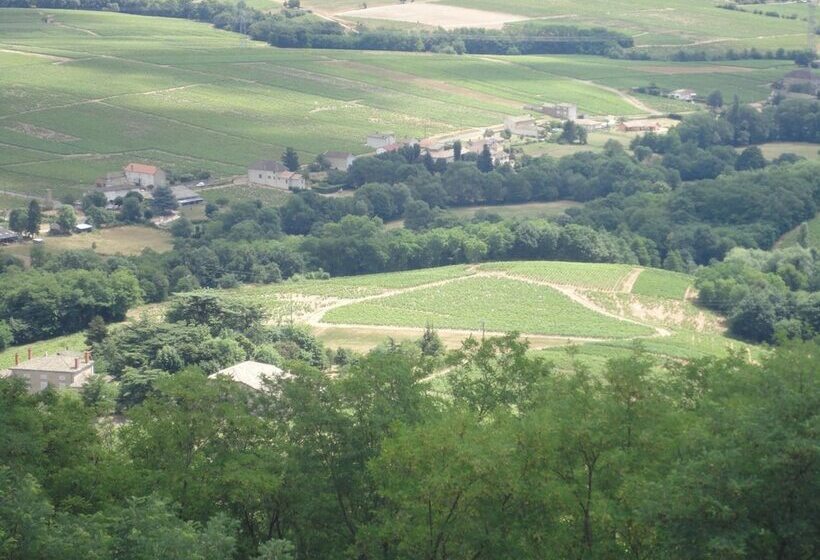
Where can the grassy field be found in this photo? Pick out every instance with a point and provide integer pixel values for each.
(654, 24)
(548, 302)
(812, 235)
(235, 193)
(94, 90)
(528, 210)
(126, 240)
(662, 284)
(774, 149)
(75, 342)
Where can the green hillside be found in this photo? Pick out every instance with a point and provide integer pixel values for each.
(553, 304)
(93, 90)
(654, 24)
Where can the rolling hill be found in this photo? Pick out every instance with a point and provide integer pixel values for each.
(90, 91)
(654, 24)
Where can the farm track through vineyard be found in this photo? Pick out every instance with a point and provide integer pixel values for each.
(316, 318)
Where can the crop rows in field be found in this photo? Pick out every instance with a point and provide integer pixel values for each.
(495, 304)
(581, 275)
(98, 89)
(662, 284)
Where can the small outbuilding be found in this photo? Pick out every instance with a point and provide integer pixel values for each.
(186, 196)
(381, 139)
(522, 126)
(83, 228)
(341, 161)
(7, 236)
(251, 374)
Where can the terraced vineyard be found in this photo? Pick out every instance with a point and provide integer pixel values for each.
(662, 284)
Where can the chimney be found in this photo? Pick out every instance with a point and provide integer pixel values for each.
(16, 359)
(76, 363)
(29, 352)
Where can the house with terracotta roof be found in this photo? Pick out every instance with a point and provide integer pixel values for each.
(144, 175)
(63, 370)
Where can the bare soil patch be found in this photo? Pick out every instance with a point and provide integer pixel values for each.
(448, 17)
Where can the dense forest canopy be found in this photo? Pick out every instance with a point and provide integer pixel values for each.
(710, 459)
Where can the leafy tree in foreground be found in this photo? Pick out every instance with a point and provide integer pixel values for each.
(164, 201)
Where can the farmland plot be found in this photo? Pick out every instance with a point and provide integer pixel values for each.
(494, 304)
(95, 89)
(579, 275)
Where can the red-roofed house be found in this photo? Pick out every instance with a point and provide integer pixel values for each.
(144, 175)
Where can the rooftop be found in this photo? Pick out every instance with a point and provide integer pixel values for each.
(8, 234)
(337, 155)
(181, 192)
(268, 165)
(251, 373)
(59, 362)
(141, 168)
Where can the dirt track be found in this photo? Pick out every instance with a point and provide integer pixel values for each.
(315, 318)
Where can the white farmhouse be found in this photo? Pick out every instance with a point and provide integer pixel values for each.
(522, 126)
(143, 175)
(271, 173)
(381, 139)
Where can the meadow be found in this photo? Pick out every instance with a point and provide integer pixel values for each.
(94, 90)
(125, 240)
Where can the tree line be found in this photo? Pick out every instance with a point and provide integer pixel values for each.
(293, 27)
(519, 460)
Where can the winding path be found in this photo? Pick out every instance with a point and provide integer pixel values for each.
(315, 318)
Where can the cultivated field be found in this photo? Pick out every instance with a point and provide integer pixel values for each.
(448, 17)
(125, 240)
(551, 303)
(94, 90)
(527, 210)
(654, 24)
(774, 149)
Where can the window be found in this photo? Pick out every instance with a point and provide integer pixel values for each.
(260, 175)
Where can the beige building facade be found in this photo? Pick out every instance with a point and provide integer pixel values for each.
(63, 370)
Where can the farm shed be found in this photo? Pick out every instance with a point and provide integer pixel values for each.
(8, 236)
(83, 228)
(380, 139)
(684, 94)
(186, 196)
(340, 161)
(639, 126)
